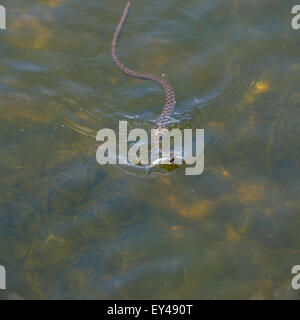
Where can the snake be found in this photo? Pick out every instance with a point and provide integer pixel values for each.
(170, 101)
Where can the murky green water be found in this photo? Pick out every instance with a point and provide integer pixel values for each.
(70, 228)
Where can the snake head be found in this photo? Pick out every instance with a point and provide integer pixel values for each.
(150, 168)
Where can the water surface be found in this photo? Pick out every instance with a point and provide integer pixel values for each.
(72, 229)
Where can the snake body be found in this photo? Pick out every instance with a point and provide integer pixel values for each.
(169, 92)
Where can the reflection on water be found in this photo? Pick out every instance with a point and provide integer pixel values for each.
(72, 229)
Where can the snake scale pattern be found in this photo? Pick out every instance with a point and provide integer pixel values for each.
(169, 92)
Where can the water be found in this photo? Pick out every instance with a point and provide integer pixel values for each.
(70, 228)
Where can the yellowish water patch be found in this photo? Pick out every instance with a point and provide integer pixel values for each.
(219, 125)
(76, 126)
(257, 88)
(28, 33)
(160, 60)
(221, 170)
(262, 288)
(262, 86)
(82, 116)
(231, 234)
(268, 211)
(63, 155)
(225, 173)
(234, 234)
(51, 237)
(248, 98)
(195, 211)
(53, 3)
(14, 112)
(166, 181)
(177, 231)
(252, 118)
(113, 80)
(250, 193)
